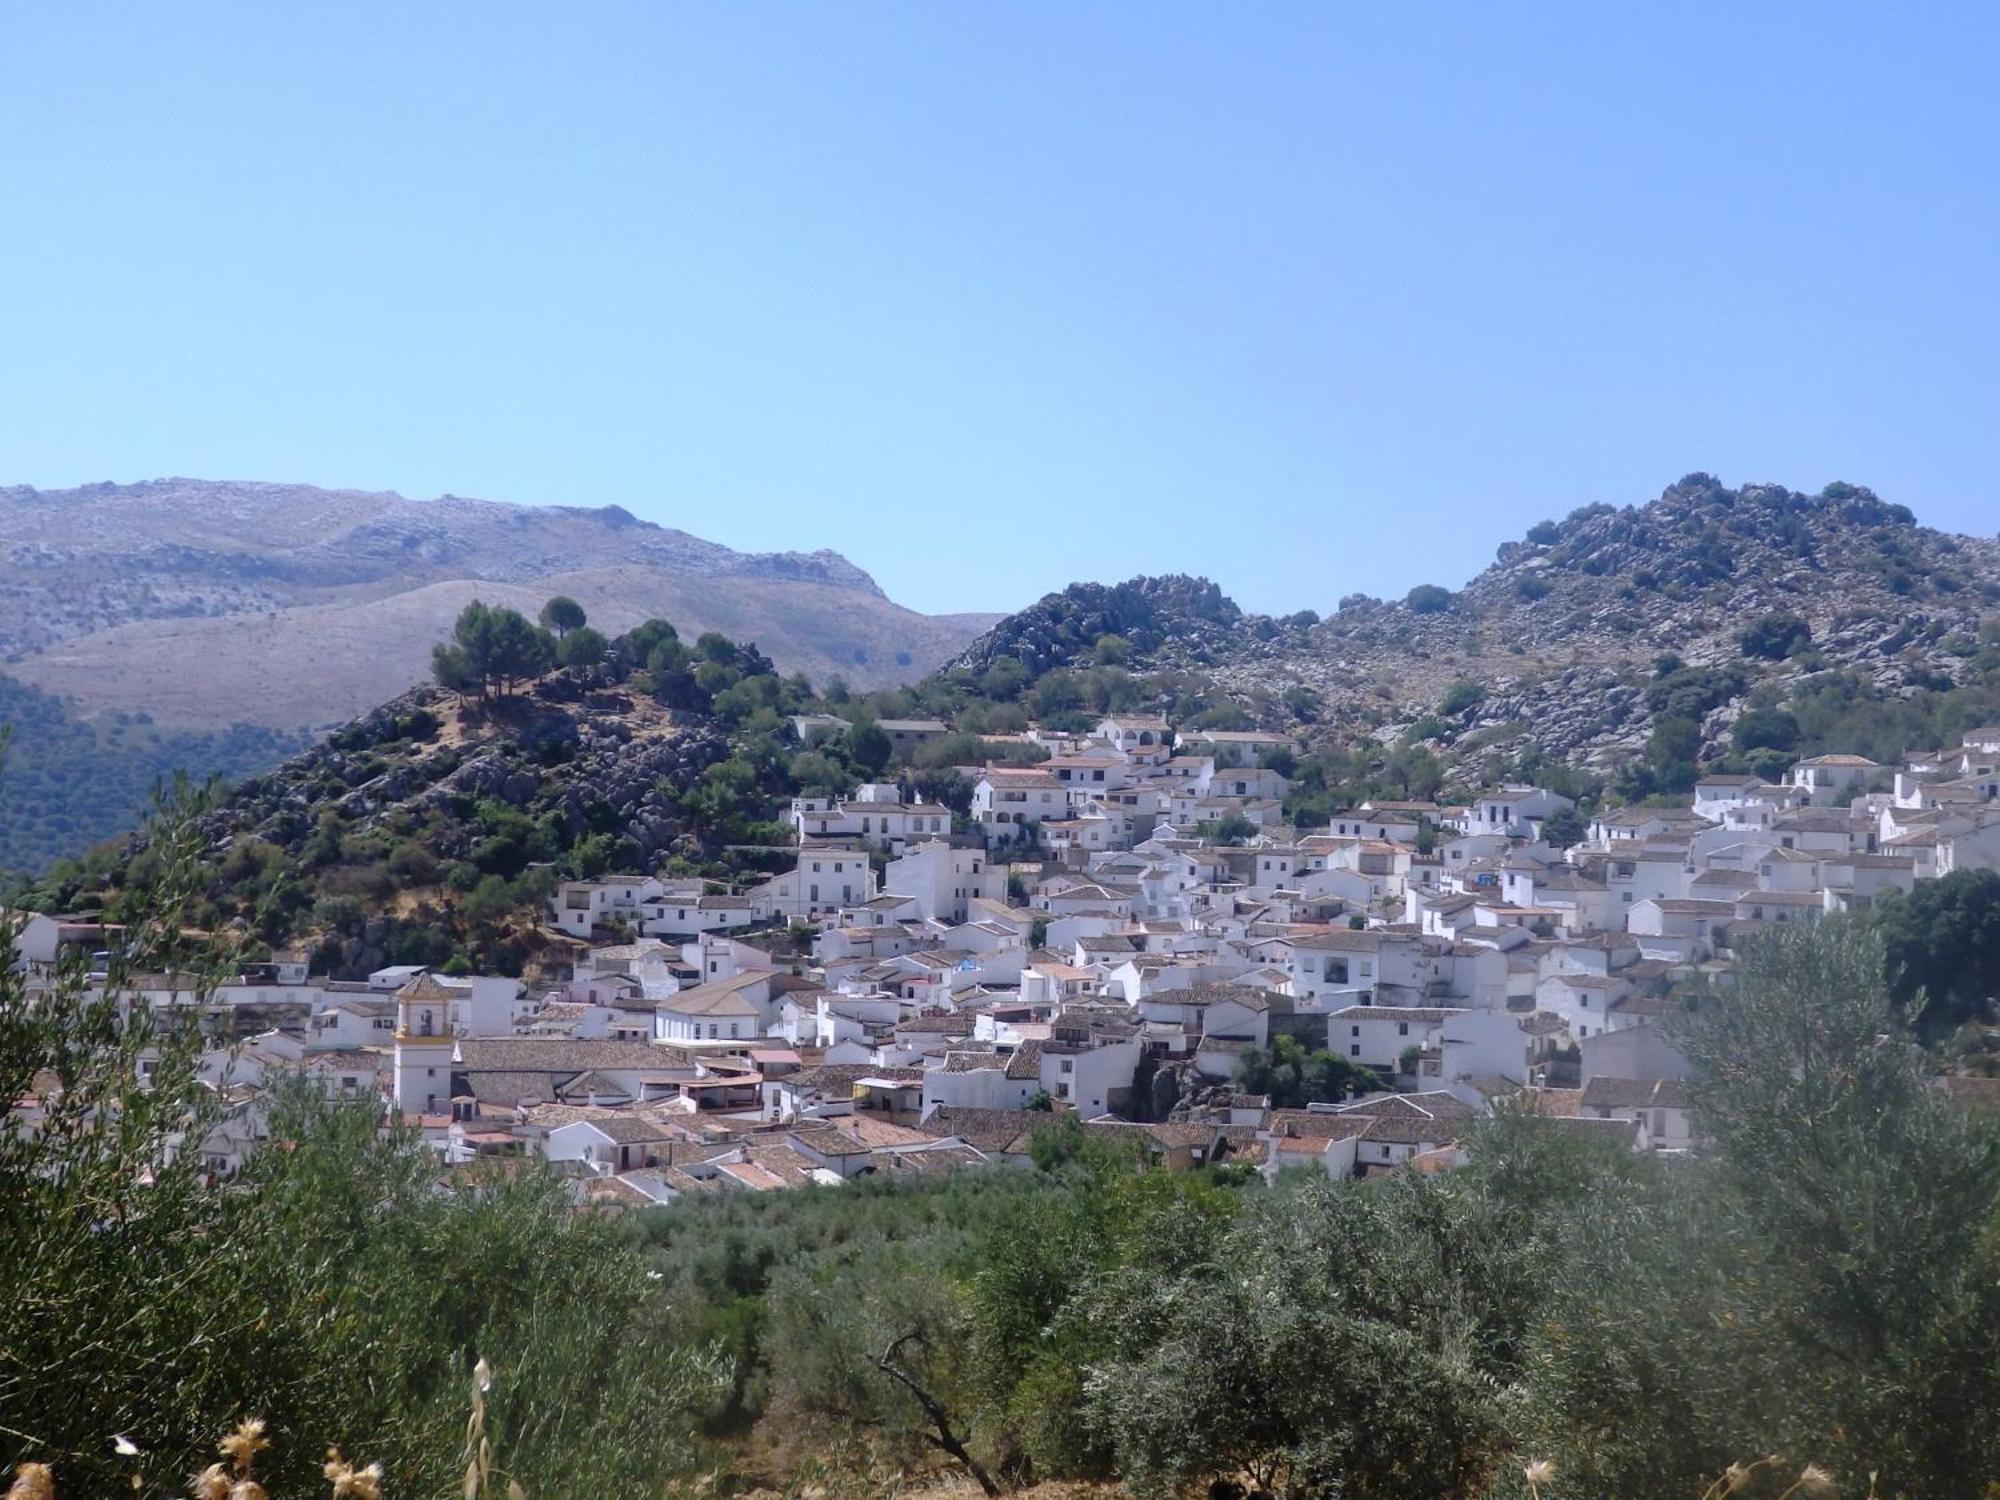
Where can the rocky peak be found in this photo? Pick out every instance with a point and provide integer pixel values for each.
(1171, 615)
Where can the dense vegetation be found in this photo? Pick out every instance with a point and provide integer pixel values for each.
(1820, 1285)
(332, 1290)
(1941, 942)
(69, 785)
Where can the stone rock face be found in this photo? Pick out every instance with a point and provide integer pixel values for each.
(1187, 617)
(1562, 632)
(603, 759)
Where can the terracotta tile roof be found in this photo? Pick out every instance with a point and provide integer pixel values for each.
(1632, 1093)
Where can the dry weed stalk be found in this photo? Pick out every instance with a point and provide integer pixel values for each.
(233, 1481)
(1812, 1480)
(479, 1469)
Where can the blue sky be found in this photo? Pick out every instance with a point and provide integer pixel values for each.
(1309, 298)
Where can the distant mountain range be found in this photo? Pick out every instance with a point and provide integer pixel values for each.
(213, 626)
(207, 603)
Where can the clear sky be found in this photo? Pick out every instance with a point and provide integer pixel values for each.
(1310, 298)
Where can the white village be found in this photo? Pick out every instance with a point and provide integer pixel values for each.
(1119, 932)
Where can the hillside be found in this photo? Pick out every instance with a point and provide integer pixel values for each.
(1712, 629)
(1555, 649)
(185, 624)
(65, 784)
(1177, 618)
(434, 828)
(430, 827)
(305, 606)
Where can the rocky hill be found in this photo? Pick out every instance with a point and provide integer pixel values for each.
(436, 824)
(1151, 619)
(304, 607)
(1557, 645)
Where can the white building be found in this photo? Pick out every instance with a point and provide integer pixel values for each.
(1005, 802)
(1517, 811)
(826, 878)
(1378, 1035)
(944, 880)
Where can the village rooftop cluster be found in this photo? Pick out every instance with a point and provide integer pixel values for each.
(919, 993)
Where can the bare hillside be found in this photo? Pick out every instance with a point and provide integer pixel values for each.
(284, 605)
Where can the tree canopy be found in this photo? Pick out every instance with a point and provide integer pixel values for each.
(562, 614)
(491, 650)
(1942, 946)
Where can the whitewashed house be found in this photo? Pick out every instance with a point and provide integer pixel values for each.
(1377, 1036)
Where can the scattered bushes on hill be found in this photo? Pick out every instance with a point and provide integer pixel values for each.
(1774, 637)
(1460, 696)
(1686, 692)
(1533, 586)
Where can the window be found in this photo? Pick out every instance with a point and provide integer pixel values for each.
(1402, 1028)
(1355, 1050)
(1354, 1031)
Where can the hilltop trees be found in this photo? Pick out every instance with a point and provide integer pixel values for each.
(561, 615)
(492, 648)
(581, 647)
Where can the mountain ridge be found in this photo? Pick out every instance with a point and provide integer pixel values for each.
(1552, 643)
(102, 579)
